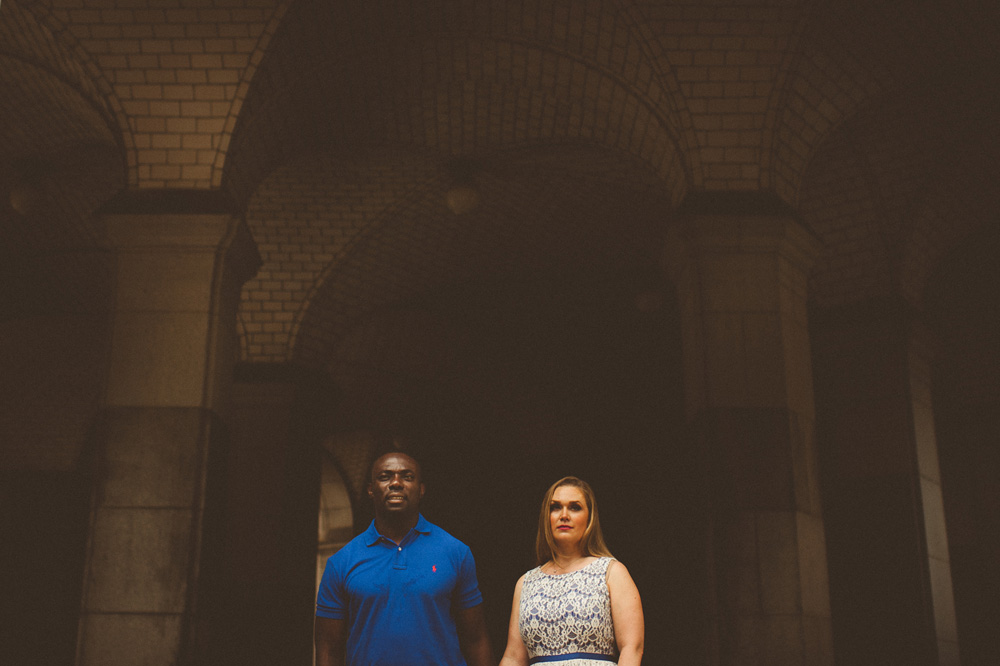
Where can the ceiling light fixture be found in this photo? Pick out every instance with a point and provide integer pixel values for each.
(463, 195)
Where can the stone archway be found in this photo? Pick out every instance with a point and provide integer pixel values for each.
(335, 518)
(532, 382)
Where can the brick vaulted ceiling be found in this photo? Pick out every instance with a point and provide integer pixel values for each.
(338, 126)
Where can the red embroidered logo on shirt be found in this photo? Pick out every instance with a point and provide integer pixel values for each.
(434, 567)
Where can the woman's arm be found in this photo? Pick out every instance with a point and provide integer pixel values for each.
(515, 654)
(626, 614)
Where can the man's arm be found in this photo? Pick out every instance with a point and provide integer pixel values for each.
(331, 639)
(472, 637)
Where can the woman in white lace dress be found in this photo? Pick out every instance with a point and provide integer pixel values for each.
(579, 607)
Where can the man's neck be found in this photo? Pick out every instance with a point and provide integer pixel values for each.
(395, 527)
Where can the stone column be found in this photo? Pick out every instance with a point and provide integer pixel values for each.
(279, 415)
(967, 415)
(181, 259)
(740, 265)
(889, 560)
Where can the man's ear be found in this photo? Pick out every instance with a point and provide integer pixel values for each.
(422, 489)
(370, 492)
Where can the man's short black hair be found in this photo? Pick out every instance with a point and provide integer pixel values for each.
(395, 446)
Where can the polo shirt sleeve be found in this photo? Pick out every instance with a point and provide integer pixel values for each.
(331, 599)
(466, 594)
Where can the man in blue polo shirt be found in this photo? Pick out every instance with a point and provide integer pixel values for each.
(404, 592)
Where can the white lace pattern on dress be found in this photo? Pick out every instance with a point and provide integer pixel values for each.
(568, 614)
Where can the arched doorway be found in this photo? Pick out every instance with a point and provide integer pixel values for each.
(531, 382)
(334, 527)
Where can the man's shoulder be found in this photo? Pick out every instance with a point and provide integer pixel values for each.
(443, 537)
(351, 549)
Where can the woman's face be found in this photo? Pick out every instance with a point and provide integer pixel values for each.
(568, 515)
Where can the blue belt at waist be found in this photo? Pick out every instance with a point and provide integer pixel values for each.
(573, 655)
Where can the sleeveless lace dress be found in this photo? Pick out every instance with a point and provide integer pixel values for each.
(566, 619)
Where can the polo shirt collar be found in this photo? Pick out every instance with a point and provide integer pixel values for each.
(423, 525)
(372, 535)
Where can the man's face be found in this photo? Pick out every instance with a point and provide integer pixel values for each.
(396, 486)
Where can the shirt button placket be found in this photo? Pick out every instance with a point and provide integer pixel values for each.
(399, 560)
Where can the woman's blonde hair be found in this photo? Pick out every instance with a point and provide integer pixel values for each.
(593, 540)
